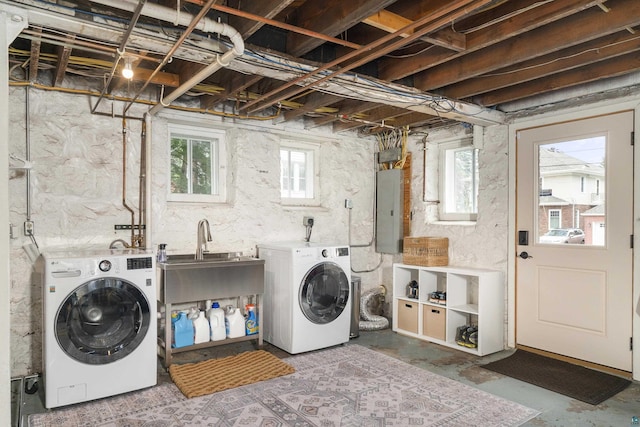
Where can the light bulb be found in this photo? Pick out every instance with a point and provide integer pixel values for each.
(127, 71)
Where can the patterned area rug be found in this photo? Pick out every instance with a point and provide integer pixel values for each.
(343, 386)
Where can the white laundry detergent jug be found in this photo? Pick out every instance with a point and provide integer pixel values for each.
(215, 314)
(201, 328)
(234, 322)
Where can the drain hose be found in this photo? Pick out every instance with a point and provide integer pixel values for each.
(369, 321)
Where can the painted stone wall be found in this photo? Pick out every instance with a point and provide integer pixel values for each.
(77, 198)
(76, 193)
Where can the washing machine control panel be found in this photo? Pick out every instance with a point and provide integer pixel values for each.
(335, 252)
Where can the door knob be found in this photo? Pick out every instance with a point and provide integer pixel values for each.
(524, 255)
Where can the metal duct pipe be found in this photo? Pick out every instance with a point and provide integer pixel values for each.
(177, 18)
(370, 321)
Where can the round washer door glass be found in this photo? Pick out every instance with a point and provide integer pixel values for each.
(102, 321)
(324, 293)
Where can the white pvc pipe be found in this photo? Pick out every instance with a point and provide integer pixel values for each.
(205, 24)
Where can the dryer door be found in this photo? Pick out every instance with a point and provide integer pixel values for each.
(324, 293)
(102, 321)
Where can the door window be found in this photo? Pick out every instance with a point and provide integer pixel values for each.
(102, 321)
(571, 205)
(324, 293)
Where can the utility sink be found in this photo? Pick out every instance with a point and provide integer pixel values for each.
(209, 257)
(218, 275)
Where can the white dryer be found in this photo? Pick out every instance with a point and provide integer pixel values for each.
(306, 297)
(99, 324)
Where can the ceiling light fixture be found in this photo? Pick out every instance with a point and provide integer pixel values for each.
(127, 71)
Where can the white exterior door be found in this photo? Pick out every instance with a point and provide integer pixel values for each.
(574, 295)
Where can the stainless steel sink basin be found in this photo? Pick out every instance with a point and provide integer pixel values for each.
(218, 275)
(208, 258)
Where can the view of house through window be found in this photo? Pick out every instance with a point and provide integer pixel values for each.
(571, 181)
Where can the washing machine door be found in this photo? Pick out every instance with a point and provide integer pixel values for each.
(102, 321)
(324, 293)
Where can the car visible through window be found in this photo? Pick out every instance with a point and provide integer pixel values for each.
(563, 235)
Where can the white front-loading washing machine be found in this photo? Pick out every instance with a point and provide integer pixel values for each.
(99, 324)
(306, 297)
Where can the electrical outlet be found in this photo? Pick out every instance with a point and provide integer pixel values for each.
(348, 203)
(307, 221)
(28, 228)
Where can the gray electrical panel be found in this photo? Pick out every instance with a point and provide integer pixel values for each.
(389, 211)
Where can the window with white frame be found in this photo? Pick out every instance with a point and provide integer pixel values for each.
(458, 181)
(298, 172)
(197, 164)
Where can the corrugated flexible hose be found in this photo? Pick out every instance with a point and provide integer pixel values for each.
(368, 320)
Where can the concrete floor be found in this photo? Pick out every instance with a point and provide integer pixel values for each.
(556, 409)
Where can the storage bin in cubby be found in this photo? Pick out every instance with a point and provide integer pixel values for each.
(407, 312)
(434, 322)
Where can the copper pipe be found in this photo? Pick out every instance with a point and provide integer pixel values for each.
(142, 188)
(123, 44)
(124, 180)
(278, 24)
(431, 22)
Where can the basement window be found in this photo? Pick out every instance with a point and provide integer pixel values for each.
(299, 173)
(197, 164)
(458, 181)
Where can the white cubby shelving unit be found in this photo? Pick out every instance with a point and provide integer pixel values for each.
(474, 297)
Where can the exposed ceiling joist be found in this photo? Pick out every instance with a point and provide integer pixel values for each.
(419, 65)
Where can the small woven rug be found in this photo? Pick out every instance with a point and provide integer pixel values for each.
(211, 376)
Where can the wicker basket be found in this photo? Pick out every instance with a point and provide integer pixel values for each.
(426, 251)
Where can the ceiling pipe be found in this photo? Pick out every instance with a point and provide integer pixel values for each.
(177, 18)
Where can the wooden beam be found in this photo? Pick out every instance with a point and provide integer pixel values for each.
(63, 52)
(412, 118)
(346, 108)
(34, 59)
(589, 73)
(265, 8)
(161, 78)
(584, 54)
(502, 30)
(587, 25)
(391, 22)
(233, 85)
(375, 116)
(312, 102)
(330, 17)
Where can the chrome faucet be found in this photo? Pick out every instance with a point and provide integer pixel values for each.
(204, 236)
